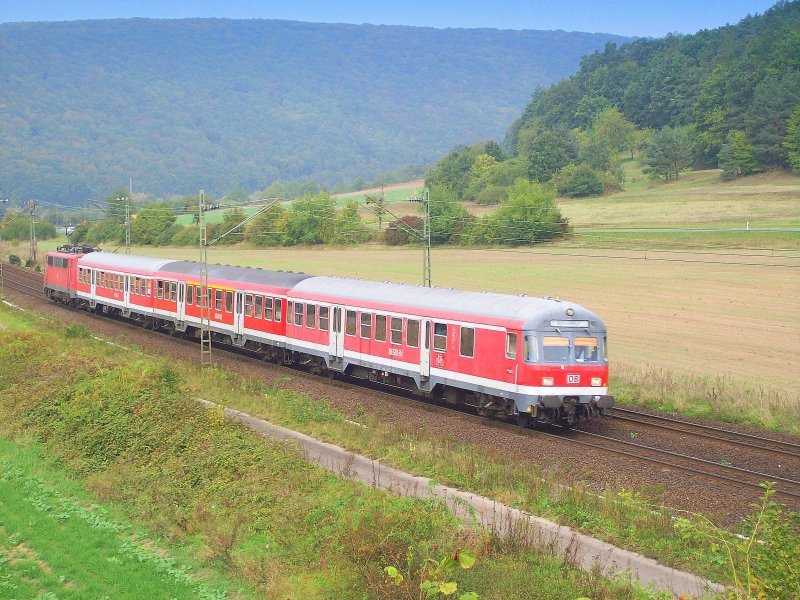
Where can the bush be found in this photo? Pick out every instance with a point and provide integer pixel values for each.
(579, 181)
(493, 194)
(14, 259)
(396, 233)
(186, 236)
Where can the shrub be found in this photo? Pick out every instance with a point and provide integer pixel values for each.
(14, 259)
(579, 181)
(396, 233)
(493, 194)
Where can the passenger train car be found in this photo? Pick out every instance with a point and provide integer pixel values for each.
(538, 360)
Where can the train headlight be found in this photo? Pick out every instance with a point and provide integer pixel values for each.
(547, 381)
(597, 381)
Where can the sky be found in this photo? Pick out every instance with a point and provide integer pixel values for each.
(653, 18)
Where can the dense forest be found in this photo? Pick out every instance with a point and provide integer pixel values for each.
(220, 104)
(728, 97)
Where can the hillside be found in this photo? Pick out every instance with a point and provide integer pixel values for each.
(180, 105)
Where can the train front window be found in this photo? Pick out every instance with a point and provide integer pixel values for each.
(555, 348)
(586, 349)
(531, 349)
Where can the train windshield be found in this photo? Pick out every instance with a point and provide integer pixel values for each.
(555, 348)
(586, 349)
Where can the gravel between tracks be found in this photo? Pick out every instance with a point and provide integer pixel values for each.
(596, 469)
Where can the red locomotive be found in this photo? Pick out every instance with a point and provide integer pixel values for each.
(533, 359)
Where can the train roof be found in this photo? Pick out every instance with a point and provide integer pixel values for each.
(283, 279)
(109, 260)
(531, 312)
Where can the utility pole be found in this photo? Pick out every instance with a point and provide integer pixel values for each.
(378, 201)
(205, 308)
(128, 225)
(426, 236)
(32, 208)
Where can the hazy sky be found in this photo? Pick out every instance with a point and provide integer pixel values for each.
(625, 17)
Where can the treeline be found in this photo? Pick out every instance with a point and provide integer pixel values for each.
(528, 215)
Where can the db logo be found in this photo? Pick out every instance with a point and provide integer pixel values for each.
(573, 378)
(439, 360)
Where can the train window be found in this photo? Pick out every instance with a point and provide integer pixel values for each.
(311, 316)
(440, 337)
(248, 305)
(189, 293)
(268, 309)
(396, 324)
(288, 312)
(511, 345)
(209, 295)
(159, 289)
(366, 325)
(217, 299)
(298, 313)
(530, 348)
(586, 349)
(605, 348)
(380, 328)
(228, 301)
(350, 325)
(278, 308)
(467, 346)
(173, 293)
(259, 303)
(412, 333)
(323, 318)
(555, 348)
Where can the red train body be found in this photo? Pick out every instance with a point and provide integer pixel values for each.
(535, 359)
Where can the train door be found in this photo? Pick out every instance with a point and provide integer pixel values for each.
(181, 301)
(238, 314)
(126, 291)
(94, 281)
(425, 350)
(337, 334)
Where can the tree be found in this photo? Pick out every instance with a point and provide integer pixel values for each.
(151, 223)
(449, 220)
(311, 219)
(737, 156)
(612, 129)
(792, 142)
(548, 152)
(668, 152)
(269, 228)
(348, 228)
(528, 216)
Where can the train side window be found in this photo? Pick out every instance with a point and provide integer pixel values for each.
(218, 300)
(298, 313)
(396, 325)
(159, 289)
(380, 328)
(259, 301)
(350, 325)
(467, 345)
(440, 337)
(324, 314)
(189, 293)
(511, 346)
(173, 294)
(278, 309)
(555, 348)
(530, 349)
(288, 312)
(366, 325)
(412, 333)
(267, 309)
(209, 296)
(605, 348)
(228, 301)
(311, 316)
(248, 305)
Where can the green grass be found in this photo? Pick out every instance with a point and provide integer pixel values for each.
(123, 427)
(56, 541)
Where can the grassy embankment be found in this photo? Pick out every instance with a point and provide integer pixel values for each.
(94, 438)
(128, 433)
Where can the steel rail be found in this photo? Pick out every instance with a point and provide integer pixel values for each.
(709, 432)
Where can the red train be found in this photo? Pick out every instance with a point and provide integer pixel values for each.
(533, 359)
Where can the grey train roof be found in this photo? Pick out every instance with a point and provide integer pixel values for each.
(110, 260)
(283, 279)
(529, 310)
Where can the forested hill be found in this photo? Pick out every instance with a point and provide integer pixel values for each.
(212, 103)
(742, 79)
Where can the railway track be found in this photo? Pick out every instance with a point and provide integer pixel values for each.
(708, 432)
(30, 284)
